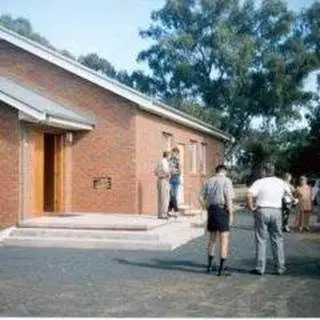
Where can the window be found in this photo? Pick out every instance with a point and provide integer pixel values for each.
(193, 156)
(166, 141)
(203, 158)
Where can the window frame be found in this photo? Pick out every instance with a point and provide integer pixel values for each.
(193, 146)
(168, 137)
(203, 157)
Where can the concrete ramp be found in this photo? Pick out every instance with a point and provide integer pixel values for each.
(121, 232)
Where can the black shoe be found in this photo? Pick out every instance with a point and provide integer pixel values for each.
(257, 272)
(211, 268)
(224, 272)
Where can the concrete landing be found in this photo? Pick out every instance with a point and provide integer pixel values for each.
(97, 221)
(121, 232)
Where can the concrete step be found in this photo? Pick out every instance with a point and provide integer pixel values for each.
(166, 237)
(86, 243)
(88, 234)
(183, 206)
(94, 222)
(191, 212)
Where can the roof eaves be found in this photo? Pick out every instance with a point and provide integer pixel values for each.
(41, 116)
(104, 81)
(215, 131)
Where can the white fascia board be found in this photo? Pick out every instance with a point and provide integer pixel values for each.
(55, 122)
(76, 68)
(60, 123)
(182, 120)
(25, 117)
(26, 109)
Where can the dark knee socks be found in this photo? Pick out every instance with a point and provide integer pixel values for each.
(222, 264)
(210, 259)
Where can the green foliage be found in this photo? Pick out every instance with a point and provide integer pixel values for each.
(245, 61)
(306, 158)
(138, 81)
(23, 27)
(93, 61)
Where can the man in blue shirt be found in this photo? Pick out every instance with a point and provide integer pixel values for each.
(217, 197)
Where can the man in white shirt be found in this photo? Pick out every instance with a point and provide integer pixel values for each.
(268, 193)
(162, 172)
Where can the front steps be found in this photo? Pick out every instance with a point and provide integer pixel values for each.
(83, 232)
(186, 210)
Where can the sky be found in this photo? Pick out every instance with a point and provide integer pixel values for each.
(109, 28)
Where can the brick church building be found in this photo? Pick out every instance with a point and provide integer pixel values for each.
(72, 140)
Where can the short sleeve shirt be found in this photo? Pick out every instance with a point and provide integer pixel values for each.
(162, 168)
(217, 190)
(269, 192)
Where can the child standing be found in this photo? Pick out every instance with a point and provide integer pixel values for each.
(304, 194)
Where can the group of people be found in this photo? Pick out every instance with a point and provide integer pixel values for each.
(270, 199)
(168, 173)
(302, 204)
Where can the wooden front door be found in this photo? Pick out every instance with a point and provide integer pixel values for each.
(47, 172)
(58, 195)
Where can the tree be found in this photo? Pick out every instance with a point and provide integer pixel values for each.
(138, 81)
(68, 54)
(23, 27)
(93, 61)
(242, 60)
(306, 158)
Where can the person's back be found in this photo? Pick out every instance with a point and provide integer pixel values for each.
(218, 187)
(269, 192)
(216, 196)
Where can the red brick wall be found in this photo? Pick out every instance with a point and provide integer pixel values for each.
(149, 149)
(124, 145)
(9, 165)
(107, 150)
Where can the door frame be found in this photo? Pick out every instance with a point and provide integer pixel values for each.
(34, 177)
(181, 192)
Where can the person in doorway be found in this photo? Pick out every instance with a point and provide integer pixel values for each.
(268, 193)
(304, 194)
(174, 181)
(162, 171)
(217, 197)
(287, 203)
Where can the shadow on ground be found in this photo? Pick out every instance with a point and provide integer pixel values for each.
(177, 265)
(296, 266)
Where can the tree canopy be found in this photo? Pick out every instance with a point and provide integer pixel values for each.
(245, 61)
